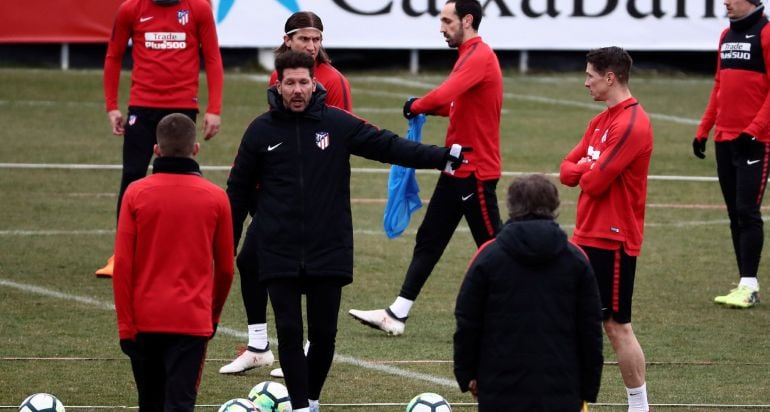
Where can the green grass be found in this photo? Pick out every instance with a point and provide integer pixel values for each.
(56, 228)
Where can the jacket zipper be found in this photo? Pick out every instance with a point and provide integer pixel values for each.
(301, 198)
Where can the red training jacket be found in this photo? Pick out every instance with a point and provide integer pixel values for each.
(740, 98)
(472, 97)
(171, 228)
(610, 209)
(167, 41)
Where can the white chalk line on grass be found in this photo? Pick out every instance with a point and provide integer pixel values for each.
(392, 370)
(399, 81)
(387, 369)
(371, 170)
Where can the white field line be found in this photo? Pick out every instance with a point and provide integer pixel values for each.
(400, 81)
(364, 170)
(392, 370)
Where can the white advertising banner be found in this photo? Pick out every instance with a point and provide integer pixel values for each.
(506, 25)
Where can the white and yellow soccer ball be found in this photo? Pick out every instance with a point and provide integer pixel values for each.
(238, 405)
(41, 402)
(428, 402)
(270, 396)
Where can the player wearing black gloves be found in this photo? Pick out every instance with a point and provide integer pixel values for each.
(739, 107)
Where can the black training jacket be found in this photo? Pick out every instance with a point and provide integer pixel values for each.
(300, 165)
(529, 322)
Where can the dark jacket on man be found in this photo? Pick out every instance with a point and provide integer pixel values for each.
(529, 322)
(300, 163)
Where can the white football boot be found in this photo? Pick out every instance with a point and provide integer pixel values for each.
(382, 319)
(249, 360)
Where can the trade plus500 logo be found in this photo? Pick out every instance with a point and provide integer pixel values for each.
(226, 5)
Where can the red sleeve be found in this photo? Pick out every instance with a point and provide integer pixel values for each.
(123, 274)
(624, 144)
(710, 114)
(116, 48)
(212, 59)
(468, 72)
(338, 90)
(223, 258)
(761, 123)
(570, 171)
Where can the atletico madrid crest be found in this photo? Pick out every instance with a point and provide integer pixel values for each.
(322, 140)
(183, 16)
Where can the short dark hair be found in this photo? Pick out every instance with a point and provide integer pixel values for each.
(303, 20)
(176, 135)
(466, 7)
(533, 197)
(293, 60)
(611, 59)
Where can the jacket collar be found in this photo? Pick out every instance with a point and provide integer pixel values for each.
(745, 22)
(177, 165)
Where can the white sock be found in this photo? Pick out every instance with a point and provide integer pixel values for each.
(750, 282)
(637, 399)
(401, 307)
(307, 346)
(258, 336)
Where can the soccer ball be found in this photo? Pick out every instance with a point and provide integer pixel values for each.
(238, 405)
(428, 402)
(270, 396)
(41, 402)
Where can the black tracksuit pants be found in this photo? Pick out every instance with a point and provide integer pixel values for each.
(138, 141)
(305, 375)
(743, 178)
(167, 370)
(452, 199)
(253, 292)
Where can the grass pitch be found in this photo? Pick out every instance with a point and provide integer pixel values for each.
(57, 226)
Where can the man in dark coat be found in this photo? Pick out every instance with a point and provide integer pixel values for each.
(529, 328)
(298, 154)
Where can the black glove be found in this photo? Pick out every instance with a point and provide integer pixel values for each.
(128, 346)
(408, 108)
(743, 143)
(456, 161)
(214, 332)
(699, 147)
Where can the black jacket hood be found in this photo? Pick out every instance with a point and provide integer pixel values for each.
(532, 241)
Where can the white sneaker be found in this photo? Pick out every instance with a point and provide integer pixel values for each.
(381, 319)
(315, 406)
(277, 373)
(248, 360)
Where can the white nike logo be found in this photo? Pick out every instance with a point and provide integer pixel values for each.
(466, 197)
(144, 19)
(271, 148)
(748, 36)
(751, 162)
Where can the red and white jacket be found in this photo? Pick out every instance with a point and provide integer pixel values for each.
(173, 252)
(610, 209)
(740, 98)
(472, 97)
(167, 41)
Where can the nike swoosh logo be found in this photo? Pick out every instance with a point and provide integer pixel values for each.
(748, 36)
(751, 162)
(271, 148)
(144, 19)
(466, 197)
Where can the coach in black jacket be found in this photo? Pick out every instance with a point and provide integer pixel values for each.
(298, 155)
(528, 313)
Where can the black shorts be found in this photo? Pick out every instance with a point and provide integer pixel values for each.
(615, 272)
